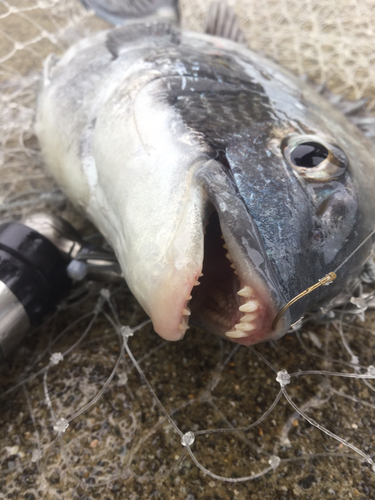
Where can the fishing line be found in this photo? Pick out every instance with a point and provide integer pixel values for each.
(326, 280)
(354, 251)
(76, 450)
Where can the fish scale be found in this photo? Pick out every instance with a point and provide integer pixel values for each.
(169, 140)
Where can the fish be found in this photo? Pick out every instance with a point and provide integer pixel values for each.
(224, 184)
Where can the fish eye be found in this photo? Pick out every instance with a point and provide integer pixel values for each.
(313, 158)
(308, 154)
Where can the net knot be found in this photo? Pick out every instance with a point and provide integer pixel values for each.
(283, 378)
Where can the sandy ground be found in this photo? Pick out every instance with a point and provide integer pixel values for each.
(123, 446)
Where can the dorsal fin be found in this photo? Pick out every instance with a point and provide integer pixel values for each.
(124, 35)
(120, 12)
(221, 20)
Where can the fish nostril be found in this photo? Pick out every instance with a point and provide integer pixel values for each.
(318, 235)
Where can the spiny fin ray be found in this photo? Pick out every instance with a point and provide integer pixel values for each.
(222, 21)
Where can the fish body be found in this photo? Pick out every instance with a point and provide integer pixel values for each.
(177, 143)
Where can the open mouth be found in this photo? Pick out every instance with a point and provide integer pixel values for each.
(226, 284)
(226, 302)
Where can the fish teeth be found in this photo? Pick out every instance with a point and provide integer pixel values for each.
(197, 283)
(247, 318)
(235, 334)
(245, 327)
(183, 326)
(250, 306)
(229, 257)
(246, 291)
(186, 312)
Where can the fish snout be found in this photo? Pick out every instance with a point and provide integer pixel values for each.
(239, 295)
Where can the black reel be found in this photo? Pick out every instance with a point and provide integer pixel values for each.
(39, 259)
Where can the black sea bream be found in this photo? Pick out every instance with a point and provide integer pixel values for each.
(192, 155)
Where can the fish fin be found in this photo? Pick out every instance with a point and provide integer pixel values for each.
(119, 12)
(128, 34)
(48, 67)
(355, 110)
(221, 20)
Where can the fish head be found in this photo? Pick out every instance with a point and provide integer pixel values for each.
(267, 202)
(193, 156)
(292, 199)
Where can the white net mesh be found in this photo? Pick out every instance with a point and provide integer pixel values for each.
(29, 31)
(330, 42)
(89, 426)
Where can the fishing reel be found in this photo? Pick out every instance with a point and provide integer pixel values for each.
(40, 260)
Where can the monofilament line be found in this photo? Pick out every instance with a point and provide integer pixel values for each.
(354, 251)
(326, 280)
(312, 422)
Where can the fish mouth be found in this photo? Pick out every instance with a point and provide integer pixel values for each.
(234, 292)
(228, 302)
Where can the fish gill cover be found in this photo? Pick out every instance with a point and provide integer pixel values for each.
(94, 407)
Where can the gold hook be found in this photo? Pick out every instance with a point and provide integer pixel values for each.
(328, 278)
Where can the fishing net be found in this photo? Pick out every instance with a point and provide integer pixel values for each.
(95, 405)
(330, 42)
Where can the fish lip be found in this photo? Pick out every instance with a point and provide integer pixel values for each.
(260, 296)
(169, 311)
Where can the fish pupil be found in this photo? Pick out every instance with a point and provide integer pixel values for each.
(308, 154)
